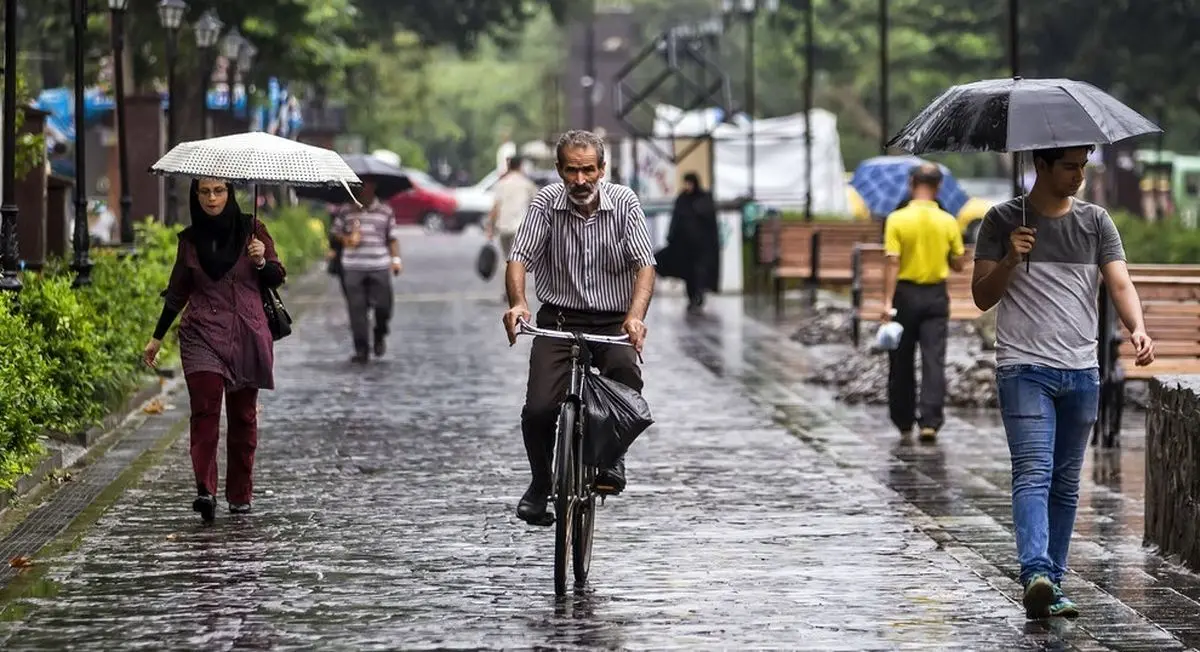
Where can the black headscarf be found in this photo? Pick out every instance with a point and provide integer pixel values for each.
(219, 239)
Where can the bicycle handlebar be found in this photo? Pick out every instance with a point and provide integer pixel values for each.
(525, 328)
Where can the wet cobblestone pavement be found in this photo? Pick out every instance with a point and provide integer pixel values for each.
(759, 514)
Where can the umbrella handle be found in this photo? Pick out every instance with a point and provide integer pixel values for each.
(348, 192)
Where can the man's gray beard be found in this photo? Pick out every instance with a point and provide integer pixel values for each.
(582, 202)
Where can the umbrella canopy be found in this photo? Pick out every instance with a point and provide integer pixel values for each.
(258, 158)
(388, 179)
(1014, 115)
(882, 182)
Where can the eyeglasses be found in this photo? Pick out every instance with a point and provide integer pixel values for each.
(213, 192)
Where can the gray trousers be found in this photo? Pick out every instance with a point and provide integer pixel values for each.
(365, 290)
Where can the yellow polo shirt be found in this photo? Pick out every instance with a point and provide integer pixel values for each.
(924, 237)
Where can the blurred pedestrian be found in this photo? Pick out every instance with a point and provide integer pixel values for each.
(694, 240)
(1047, 372)
(513, 194)
(923, 244)
(224, 260)
(370, 258)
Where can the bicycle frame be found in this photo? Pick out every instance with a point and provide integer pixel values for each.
(573, 492)
(579, 366)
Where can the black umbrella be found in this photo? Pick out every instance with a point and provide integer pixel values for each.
(388, 179)
(1014, 115)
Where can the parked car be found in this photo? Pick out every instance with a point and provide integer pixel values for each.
(428, 203)
(475, 202)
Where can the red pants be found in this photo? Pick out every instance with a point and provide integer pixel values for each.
(206, 390)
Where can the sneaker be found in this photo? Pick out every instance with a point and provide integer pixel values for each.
(207, 506)
(239, 508)
(928, 435)
(1039, 595)
(1063, 607)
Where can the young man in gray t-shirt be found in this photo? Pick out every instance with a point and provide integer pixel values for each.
(1046, 365)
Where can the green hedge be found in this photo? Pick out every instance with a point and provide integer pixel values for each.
(70, 356)
(1166, 241)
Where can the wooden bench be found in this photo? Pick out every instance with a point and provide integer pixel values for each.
(1157, 269)
(867, 289)
(817, 253)
(1171, 306)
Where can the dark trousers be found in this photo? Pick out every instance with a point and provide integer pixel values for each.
(697, 272)
(205, 391)
(924, 312)
(550, 378)
(365, 290)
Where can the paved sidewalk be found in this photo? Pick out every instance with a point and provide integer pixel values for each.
(760, 514)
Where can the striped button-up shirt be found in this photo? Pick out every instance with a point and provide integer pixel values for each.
(375, 223)
(584, 263)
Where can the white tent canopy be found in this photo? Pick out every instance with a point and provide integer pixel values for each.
(779, 157)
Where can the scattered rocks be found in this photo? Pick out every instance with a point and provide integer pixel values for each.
(827, 323)
(860, 375)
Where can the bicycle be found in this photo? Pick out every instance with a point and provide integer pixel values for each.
(573, 490)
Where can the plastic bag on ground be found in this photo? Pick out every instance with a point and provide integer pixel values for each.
(615, 415)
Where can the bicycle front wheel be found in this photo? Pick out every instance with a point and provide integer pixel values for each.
(585, 526)
(566, 493)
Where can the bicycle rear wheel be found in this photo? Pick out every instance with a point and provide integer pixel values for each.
(566, 492)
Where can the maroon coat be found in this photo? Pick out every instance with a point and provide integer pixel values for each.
(224, 328)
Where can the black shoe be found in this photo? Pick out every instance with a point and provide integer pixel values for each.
(532, 508)
(207, 506)
(239, 508)
(380, 344)
(611, 480)
(360, 357)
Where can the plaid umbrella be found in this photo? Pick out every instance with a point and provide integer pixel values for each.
(882, 182)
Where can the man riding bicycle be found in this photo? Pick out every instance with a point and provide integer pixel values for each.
(586, 242)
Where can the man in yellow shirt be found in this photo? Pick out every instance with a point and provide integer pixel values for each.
(923, 245)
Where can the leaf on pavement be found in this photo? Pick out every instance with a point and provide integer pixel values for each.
(154, 407)
(20, 561)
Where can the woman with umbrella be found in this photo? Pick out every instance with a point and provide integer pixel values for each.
(224, 279)
(223, 260)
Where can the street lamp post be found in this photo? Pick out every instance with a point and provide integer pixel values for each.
(117, 9)
(9, 261)
(883, 76)
(208, 30)
(170, 16)
(81, 264)
(810, 60)
(231, 46)
(1014, 55)
(749, 10)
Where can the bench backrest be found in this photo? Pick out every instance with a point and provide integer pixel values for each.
(872, 258)
(1171, 308)
(837, 242)
(1157, 269)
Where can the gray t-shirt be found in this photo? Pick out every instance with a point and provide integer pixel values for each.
(1048, 316)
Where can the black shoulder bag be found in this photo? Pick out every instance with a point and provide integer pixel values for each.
(278, 318)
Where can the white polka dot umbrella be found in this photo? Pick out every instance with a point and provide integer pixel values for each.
(259, 158)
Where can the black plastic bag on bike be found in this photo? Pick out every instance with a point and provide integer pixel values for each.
(616, 415)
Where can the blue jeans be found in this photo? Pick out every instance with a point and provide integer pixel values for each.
(1048, 417)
